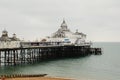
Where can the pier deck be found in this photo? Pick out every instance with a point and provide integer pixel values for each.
(29, 55)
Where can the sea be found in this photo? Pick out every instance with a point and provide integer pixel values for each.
(93, 67)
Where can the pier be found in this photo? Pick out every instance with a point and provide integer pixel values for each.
(30, 55)
(61, 44)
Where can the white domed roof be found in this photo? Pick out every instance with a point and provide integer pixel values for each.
(4, 31)
(64, 24)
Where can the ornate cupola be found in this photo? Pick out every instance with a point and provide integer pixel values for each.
(14, 36)
(4, 33)
(64, 25)
(4, 36)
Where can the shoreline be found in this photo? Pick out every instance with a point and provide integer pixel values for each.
(36, 78)
(31, 77)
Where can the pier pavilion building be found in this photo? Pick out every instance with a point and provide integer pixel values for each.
(9, 42)
(64, 34)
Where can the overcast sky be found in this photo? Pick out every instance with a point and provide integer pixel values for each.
(33, 19)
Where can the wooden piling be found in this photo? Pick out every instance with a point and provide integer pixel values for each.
(19, 56)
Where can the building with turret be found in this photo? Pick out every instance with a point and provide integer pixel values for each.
(5, 37)
(9, 42)
(64, 34)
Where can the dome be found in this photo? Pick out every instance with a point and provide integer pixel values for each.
(63, 24)
(14, 35)
(4, 31)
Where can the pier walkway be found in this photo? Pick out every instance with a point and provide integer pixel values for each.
(29, 55)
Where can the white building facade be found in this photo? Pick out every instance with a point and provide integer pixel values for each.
(9, 42)
(63, 34)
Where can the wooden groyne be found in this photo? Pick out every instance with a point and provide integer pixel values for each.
(22, 75)
(30, 77)
(29, 55)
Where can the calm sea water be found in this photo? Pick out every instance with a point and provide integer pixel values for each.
(94, 67)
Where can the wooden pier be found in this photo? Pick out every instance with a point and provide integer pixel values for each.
(30, 55)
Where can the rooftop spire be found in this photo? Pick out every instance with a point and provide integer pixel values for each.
(63, 20)
(64, 25)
